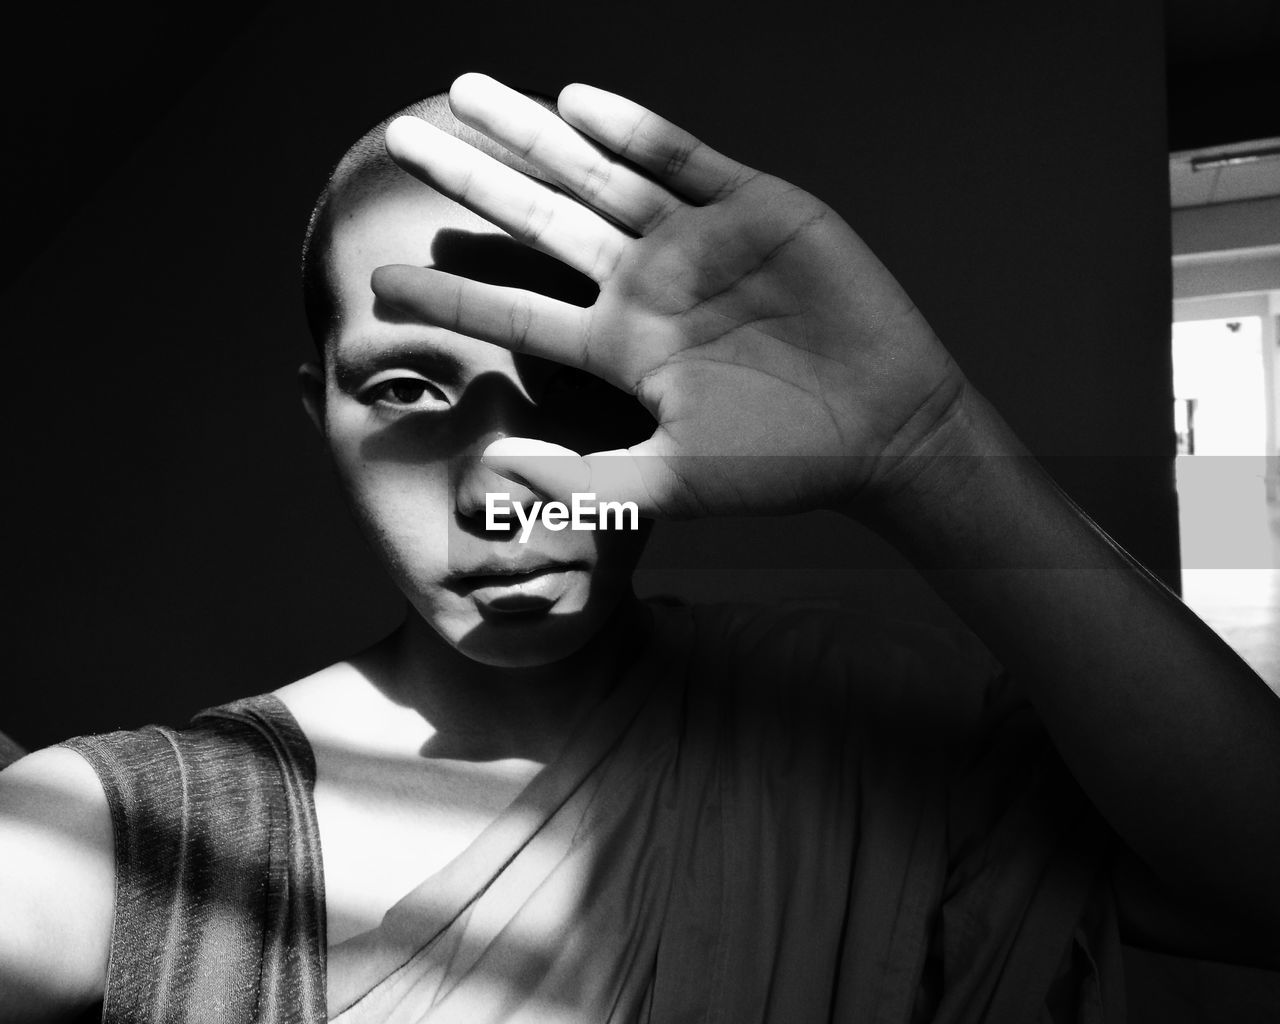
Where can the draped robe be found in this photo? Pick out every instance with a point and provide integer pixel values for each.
(774, 816)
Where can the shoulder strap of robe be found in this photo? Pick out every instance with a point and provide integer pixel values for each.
(219, 899)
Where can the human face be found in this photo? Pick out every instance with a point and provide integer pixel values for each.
(407, 410)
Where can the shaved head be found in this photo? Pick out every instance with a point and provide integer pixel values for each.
(366, 172)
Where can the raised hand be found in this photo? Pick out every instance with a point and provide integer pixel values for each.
(785, 368)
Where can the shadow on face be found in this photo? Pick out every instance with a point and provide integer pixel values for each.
(409, 460)
(564, 405)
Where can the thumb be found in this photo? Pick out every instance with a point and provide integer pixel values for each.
(626, 474)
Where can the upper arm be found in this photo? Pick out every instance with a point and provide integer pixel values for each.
(57, 884)
(1157, 917)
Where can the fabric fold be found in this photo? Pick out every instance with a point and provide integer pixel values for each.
(779, 816)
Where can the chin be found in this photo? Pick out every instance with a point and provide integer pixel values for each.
(527, 641)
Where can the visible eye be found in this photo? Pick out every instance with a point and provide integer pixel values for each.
(405, 393)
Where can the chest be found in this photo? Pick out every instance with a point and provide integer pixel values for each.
(387, 825)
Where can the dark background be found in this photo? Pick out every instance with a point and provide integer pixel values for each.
(175, 536)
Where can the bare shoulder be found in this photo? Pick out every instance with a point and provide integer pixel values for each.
(57, 885)
(332, 702)
(344, 706)
(324, 693)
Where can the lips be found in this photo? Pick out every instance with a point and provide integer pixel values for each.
(515, 587)
(496, 573)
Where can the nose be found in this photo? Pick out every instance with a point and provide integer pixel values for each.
(495, 407)
(473, 482)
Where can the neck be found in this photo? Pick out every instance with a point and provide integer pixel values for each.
(478, 712)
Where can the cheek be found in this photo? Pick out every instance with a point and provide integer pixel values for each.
(403, 507)
(404, 500)
(406, 521)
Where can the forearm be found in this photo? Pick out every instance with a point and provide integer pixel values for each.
(1173, 737)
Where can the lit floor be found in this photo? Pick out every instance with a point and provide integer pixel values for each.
(1243, 604)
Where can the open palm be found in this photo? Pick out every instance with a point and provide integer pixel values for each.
(781, 361)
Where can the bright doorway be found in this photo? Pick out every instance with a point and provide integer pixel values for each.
(1224, 413)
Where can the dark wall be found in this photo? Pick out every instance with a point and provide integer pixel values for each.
(1218, 83)
(175, 537)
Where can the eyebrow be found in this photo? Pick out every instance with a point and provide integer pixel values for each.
(361, 358)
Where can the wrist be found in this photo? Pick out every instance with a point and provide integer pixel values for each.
(926, 472)
(959, 490)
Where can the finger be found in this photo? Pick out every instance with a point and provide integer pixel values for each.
(635, 474)
(529, 211)
(551, 470)
(518, 320)
(531, 131)
(678, 160)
